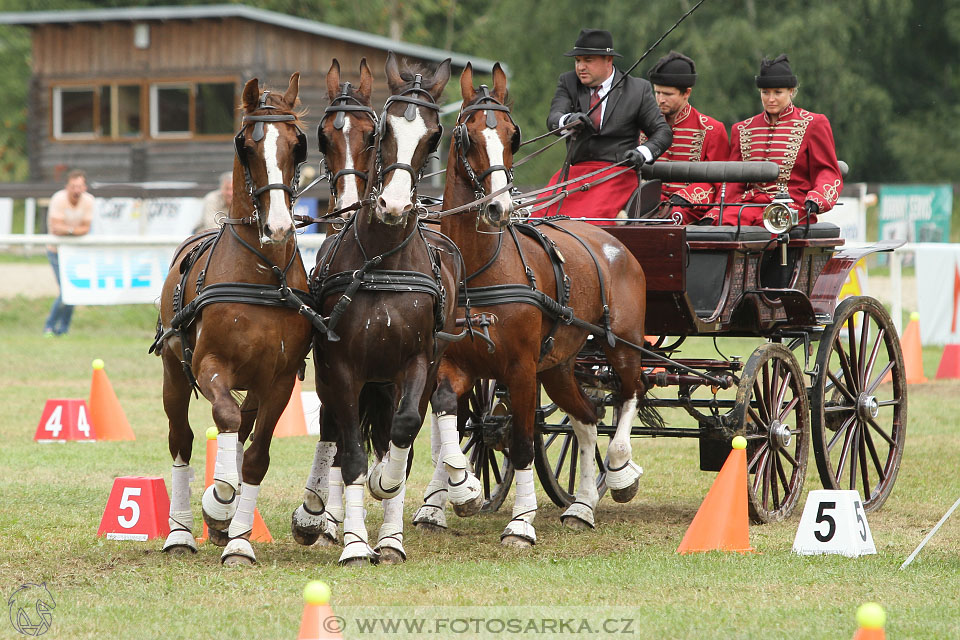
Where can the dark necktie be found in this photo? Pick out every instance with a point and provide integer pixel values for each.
(596, 113)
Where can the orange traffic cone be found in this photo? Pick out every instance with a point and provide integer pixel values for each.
(105, 411)
(870, 621)
(721, 523)
(913, 351)
(292, 421)
(318, 622)
(260, 531)
(949, 362)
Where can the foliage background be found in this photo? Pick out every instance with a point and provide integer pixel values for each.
(886, 72)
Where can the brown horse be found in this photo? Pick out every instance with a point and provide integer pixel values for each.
(229, 322)
(601, 283)
(388, 287)
(346, 136)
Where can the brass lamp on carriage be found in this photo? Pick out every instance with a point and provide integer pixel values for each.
(779, 217)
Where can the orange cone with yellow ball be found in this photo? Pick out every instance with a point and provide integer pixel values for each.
(722, 522)
(871, 619)
(260, 531)
(107, 415)
(318, 622)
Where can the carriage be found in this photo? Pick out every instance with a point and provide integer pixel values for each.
(823, 372)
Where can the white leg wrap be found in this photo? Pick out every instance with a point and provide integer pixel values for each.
(587, 496)
(181, 516)
(622, 471)
(335, 499)
(239, 461)
(317, 491)
(434, 439)
(226, 474)
(387, 477)
(450, 453)
(391, 531)
(434, 499)
(238, 547)
(524, 508)
(243, 520)
(354, 529)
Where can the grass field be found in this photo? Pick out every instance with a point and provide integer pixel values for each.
(627, 570)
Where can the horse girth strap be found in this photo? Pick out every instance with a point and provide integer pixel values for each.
(242, 293)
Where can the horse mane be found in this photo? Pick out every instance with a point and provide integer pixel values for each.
(408, 72)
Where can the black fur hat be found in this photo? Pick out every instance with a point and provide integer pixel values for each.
(776, 74)
(674, 70)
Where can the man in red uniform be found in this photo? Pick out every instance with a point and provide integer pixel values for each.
(800, 141)
(696, 137)
(609, 134)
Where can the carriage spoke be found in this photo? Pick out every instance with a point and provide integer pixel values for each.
(873, 423)
(852, 341)
(484, 471)
(864, 338)
(846, 369)
(787, 410)
(571, 482)
(894, 402)
(841, 388)
(868, 368)
(855, 443)
(761, 424)
(762, 393)
(550, 439)
(757, 402)
(785, 385)
(879, 466)
(880, 377)
(840, 431)
(864, 472)
(845, 449)
(563, 455)
(838, 408)
(471, 443)
(495, 468)
(775, 473)
(786, 454)
(755, 459)
(765, 499)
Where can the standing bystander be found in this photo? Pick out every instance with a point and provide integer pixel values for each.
(69, 214)
(216, 204)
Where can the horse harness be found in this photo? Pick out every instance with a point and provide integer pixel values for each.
(410, 114)
(237, 292)
(461, 138)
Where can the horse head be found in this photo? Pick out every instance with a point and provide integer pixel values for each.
(346, 135)
(270, 147)
(409, 132)
(485, 139)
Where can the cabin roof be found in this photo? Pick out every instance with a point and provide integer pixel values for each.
(220, 11)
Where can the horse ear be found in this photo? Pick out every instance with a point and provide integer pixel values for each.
(440, 78)
(467, 92)
(290, 95)
(499, 83)
(251, 95)
(333, 79)
(366, 80)
(393, 72)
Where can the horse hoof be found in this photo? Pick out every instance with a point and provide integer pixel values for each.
(238, 561)
(389, 555)
(179, 543)
(179, 550)
(304, 535)
(217, 538)
(626, 494)
(217, 514)
(470, 507)
(516, 542)
(355, 562)
(429, 527)
(575, 523)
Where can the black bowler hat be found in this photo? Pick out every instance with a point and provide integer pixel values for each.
(674, 70)
(593, 42)
(776, 74)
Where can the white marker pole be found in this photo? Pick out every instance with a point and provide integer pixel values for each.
(930, 535)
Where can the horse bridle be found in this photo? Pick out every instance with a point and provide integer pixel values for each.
(341, 106)
(461, 139)
(239, 141)
(410, 114)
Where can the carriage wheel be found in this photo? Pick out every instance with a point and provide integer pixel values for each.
(773, 414)
(860, 402)
(556, 456)
(488, 411)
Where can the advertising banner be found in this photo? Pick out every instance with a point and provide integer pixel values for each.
(938, 293)
(112, 275)
(915, 212)
(151, 216)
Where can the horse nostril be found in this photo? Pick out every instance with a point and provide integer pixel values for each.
(494, 211)
(381, 202)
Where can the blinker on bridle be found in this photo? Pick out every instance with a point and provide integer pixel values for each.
(488, 104)
(410, 114)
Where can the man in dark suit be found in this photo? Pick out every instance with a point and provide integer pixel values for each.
(610, 133)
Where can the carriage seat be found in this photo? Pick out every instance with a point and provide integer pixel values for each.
(817, 230)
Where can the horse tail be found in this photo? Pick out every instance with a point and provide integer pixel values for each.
(377, 406)
(648, 414)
